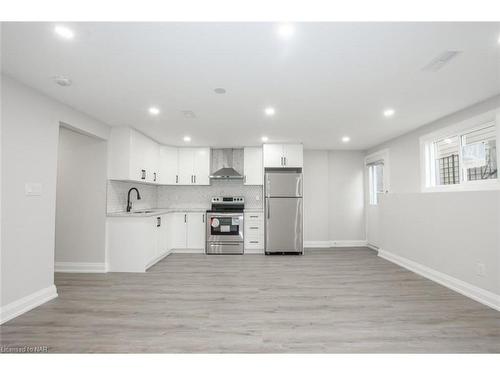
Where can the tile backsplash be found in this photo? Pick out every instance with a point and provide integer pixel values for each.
(117, 196)
(180, 196)
(200, 196)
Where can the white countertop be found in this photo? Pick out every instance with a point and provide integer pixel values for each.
(153, 212)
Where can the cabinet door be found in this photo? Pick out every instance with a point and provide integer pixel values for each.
(201, 166)
(273, 155)
(196, 230)
(138, 147)
(294, 156)
(162, 235)
(252, 166)
(178, 230)
(167, 170)
(152, 154)
(186, 163)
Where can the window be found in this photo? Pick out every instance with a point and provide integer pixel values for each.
(376, 181)
(461, 160)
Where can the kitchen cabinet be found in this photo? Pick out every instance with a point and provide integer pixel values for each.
(254, 231)
(194, 166)
(132, 156)
(168, 173)
(195, 238)
(253, 173)
(135, 244)
(283, 156)
(186, 230)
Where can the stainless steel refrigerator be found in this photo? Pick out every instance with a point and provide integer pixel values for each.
(283, 212)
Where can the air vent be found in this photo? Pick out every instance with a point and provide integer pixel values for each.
(188, 114)
(441, 60)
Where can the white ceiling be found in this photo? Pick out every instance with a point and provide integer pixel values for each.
(327, 81)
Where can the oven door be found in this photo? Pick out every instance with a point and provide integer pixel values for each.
(223, 227)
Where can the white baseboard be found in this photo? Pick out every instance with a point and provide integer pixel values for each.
(27, 303)
(188, 251)
(254, 251)
(476, 293)
(335, 243)
(81, 267)
(373, 247)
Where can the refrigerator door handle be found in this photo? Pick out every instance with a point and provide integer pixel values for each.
(268, 210)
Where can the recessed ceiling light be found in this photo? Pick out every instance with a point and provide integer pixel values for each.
(389, 112)
(220, 90)
(63, 81)
(269, 111)
(187, 138)
(286, 30)
(64, 32)
(346, 139)
(264, 139)
(154, 111)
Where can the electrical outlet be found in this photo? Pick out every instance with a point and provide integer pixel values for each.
(480, 269)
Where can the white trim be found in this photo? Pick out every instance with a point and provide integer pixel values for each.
(158, 258)
(335, 243)
(188, 251)
(476, 293)
(27, 303)
(80, 267)
(373, 247)
(427, 172)
(253, 251)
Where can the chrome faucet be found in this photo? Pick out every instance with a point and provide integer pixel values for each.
(129, 203)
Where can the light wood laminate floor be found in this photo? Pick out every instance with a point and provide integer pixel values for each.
(334, 300)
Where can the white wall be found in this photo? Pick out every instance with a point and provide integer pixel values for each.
(333, 198)
(447, 233)
(30, 131)
(80, 198)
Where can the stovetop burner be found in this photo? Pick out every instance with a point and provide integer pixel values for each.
(227, 204)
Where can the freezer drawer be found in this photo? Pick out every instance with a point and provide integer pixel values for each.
(283, 225)
(283, 184)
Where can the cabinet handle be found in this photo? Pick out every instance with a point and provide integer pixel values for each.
(284, 159)
(253, 217)
(185, 218)
(143, 174)
(203, 218)
(194, 179)
(254, 227)
(176, 178)
(158, 221)
(254, 241)
(154, 176)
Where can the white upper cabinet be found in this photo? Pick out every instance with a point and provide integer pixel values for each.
(252, 166)
(294, 155)
(132, 156)
(283, 156)
(194, 166)
(201, 166)
(186, 164)
(168, 173)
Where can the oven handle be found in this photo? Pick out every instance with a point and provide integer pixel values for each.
(213, 214)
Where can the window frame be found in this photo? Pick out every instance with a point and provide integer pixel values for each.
(427, 155)
(383, 156)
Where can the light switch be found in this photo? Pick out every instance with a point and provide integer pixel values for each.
(33, 189)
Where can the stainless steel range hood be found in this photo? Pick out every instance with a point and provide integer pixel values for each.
(225, 162)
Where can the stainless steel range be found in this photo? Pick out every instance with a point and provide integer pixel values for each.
(225, 226)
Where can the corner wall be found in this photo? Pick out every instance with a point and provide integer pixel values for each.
(445, 236)
(30, 131)
(334, 198)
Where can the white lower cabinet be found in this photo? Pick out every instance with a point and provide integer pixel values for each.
(254, 232)
(135, 243)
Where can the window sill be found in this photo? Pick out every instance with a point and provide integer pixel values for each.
(470, 186)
